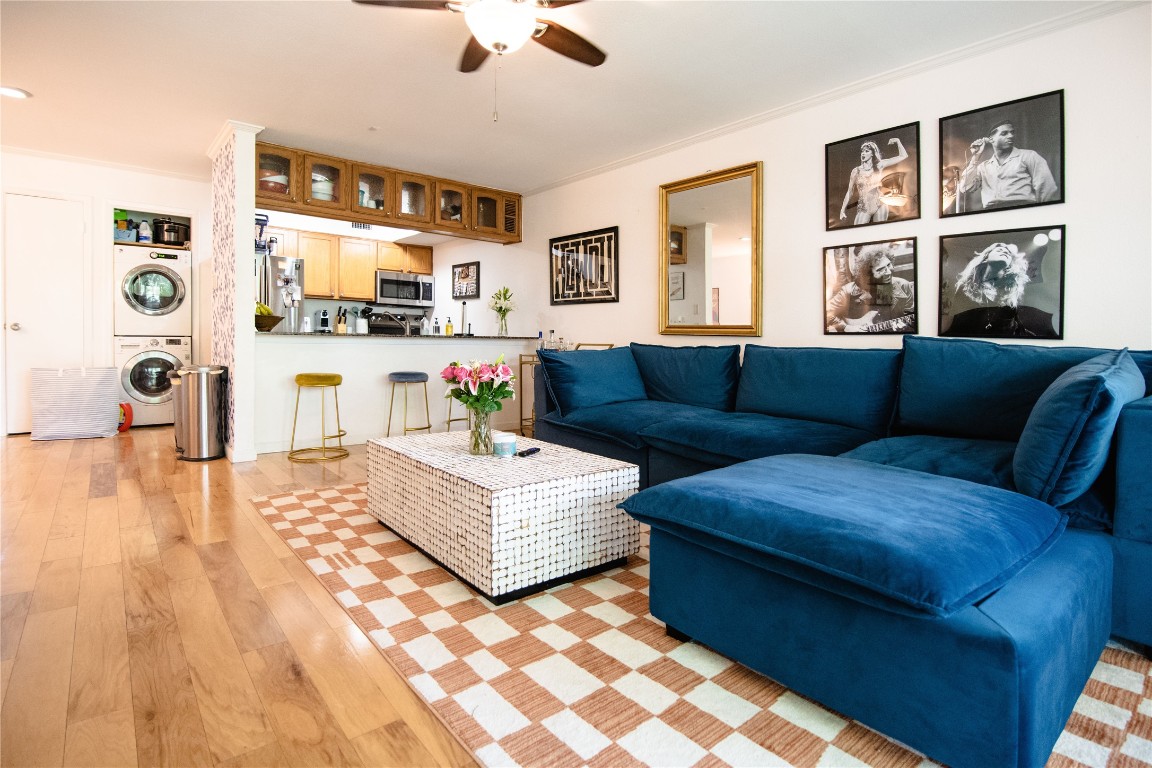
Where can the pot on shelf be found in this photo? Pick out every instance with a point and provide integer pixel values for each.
(168, 232)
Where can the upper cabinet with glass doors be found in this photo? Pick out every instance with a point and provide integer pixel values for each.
(277, 175)
(297, 181)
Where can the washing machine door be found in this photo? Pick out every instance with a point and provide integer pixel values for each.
(145, 376)
(153, 289)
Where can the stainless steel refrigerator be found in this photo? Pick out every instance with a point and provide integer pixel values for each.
(280, 283)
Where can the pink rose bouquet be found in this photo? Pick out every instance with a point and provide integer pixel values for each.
(479, 385)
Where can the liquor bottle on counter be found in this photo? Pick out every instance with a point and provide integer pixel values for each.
(539, 339)
(551, 343)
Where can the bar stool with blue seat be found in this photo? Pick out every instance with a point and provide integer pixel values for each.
(406, 378)
(322, 452)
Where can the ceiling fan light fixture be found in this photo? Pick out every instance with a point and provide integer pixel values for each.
(501, 26)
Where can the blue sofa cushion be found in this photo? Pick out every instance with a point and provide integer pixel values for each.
(897, 539)
(853, 387)
(621, 422)
(586, 377)
(703, 376)
(1068, 434)
(726, 438)
(977, 389)
(988, 462)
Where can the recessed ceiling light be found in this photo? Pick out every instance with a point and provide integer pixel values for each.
(15, 93)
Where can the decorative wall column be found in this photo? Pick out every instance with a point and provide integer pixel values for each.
(233, 156)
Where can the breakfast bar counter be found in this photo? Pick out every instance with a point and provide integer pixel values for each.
(365, 361)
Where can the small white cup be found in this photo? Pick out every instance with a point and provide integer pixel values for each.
(504, 444)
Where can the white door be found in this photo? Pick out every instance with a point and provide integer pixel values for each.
(45, 308)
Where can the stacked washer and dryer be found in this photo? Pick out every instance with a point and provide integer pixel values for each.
(153, 326)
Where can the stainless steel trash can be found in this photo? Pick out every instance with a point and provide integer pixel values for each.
(198, 396)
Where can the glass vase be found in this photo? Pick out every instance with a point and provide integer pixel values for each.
(502, 325)
(480, 434)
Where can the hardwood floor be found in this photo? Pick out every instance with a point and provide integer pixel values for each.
(151, 617)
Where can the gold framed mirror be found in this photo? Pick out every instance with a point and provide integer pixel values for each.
(710, 261)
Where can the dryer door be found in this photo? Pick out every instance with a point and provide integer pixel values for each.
(145, 376)
(153, 289)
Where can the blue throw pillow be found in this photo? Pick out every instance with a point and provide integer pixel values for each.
(586, 377)
(703, 376)
(980, 389)
(1068, 433)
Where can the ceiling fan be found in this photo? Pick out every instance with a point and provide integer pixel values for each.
(503, 26)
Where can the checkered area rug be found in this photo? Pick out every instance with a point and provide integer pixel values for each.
(583, 675)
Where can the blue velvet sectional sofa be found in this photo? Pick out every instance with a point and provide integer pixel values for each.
(937, 541)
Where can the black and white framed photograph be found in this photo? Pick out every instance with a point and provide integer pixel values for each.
(870, 287)
(585, 268)
(676, 286)
(466, 280)
(1003, 284)
(1008, 155)
(873, 178)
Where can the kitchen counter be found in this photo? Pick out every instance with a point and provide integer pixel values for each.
(365, 361)
(457, 337)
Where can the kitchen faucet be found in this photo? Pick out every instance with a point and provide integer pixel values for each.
(402, 320)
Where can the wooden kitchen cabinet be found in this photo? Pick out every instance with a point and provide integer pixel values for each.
(496, 213)
(297, 181)
(287, 241)
(278, 175)
(357, 269)
(325, 182)
(419, 259)
(320, 253)
(378, 186)
(391, 257)
(413, 204)
(394, 257)
(452, 209)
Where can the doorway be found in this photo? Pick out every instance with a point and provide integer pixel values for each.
(46, 296)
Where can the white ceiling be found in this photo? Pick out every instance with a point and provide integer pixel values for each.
(151, 84)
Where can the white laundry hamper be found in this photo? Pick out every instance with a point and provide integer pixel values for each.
(72, 403)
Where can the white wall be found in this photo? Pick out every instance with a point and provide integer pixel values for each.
(1104, 68)
(105, 188)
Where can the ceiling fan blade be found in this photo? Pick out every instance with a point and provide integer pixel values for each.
(430, 5)
(474, 55)
(556, 3)
(567, 43)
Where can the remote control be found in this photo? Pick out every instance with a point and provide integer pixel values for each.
(528, 452)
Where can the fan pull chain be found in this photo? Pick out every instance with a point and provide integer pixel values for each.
(495, 78)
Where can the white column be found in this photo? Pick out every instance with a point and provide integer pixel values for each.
(233, 156)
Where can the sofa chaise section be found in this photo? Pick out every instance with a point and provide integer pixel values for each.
(961, 619)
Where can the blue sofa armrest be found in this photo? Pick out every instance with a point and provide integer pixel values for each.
(1133, 517)
(542, 401)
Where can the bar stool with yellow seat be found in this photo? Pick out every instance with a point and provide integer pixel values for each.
(322, 452)
(406, 378)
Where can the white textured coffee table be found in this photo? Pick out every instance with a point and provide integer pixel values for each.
(507, 526)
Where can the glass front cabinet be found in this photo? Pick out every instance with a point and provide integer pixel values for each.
(277, 174)
(413, 198)
(496, 213)
(325, 182)
(452, 206)
(375, 191)
(298, 181)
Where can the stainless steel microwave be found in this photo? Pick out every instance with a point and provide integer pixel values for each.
(401, 289)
